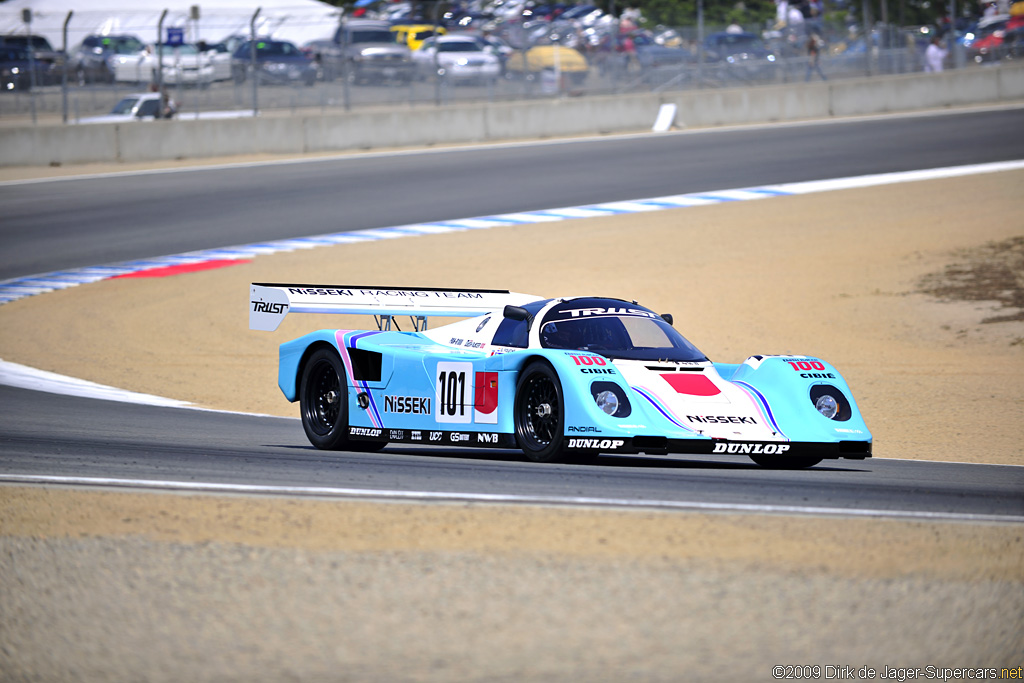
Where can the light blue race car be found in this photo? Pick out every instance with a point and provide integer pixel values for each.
(556, 378)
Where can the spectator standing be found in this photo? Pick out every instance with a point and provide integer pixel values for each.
(168, 107)
(934, 56)
(814, 57)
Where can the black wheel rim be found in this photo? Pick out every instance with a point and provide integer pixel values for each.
(539, 415)
(323, 398)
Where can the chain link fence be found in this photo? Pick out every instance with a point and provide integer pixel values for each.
(644, 60)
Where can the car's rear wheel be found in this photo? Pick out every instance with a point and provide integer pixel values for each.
(782, 462)
(323, 401)
(540, 413)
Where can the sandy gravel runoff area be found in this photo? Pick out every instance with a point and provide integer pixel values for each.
(913, 291)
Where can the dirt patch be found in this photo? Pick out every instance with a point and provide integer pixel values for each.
(991, 272)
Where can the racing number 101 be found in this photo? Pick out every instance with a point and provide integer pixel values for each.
(448, 383)
(453, 388)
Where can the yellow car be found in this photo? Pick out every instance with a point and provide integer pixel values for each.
(413, 35)
(545, 57)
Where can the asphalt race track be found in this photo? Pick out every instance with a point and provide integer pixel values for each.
(121, 217)
(46, 434)
(72, 223)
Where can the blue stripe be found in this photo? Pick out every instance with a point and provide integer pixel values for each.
(764, 403)
(661, 410)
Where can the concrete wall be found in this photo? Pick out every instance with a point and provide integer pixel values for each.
(427, 125)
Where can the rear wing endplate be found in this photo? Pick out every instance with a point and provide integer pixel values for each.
(269, 303)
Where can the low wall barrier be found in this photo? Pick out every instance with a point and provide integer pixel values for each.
(43, 145)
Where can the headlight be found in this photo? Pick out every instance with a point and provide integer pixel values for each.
(831, 402)
(608, 402)
(827, 405)
(611, 399)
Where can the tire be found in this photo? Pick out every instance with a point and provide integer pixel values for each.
(323, 401)
(776, 462)
(540, 413)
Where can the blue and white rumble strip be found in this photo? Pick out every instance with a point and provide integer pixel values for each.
(19, 288)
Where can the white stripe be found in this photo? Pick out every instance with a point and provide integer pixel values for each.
(685, 200)
(631, 207)
(497, 498)
(476, 223)
(893, 178)
(24, 377)
(528, 217)
(576, 212)
(432, 228)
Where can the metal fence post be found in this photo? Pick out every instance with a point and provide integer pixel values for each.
(64, 71)
(26, 16)
(252, 62)
(160, 63)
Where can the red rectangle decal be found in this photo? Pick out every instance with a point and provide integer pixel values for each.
(692, 385)
(486, 399)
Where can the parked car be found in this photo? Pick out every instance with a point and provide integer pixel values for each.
(219, 55)
(182, 65)
(459, 58)
(541, 58)
(659, 63)
(413, 35)
(369, 53)
(14, 68)
(743, 55)
(92, 61)
(47, 61)
(278, 62)
(143, 106)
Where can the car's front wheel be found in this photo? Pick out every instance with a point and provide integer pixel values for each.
(540, 413)
(782, 462)
(323, 401)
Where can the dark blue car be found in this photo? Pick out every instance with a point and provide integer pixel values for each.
(278, 62)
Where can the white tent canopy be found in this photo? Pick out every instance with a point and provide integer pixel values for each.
(294, 20)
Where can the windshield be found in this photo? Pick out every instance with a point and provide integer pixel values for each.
(125, 106)
(458, 46)
(740, 41)
(371, 36)
(124, 46)
(179, 50)
(615, 329)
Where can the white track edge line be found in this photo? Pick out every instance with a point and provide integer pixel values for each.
(456, 497)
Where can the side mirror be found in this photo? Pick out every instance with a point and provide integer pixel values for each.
(667, 317)
(516, 313)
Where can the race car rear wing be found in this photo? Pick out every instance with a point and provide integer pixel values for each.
(269, 303)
